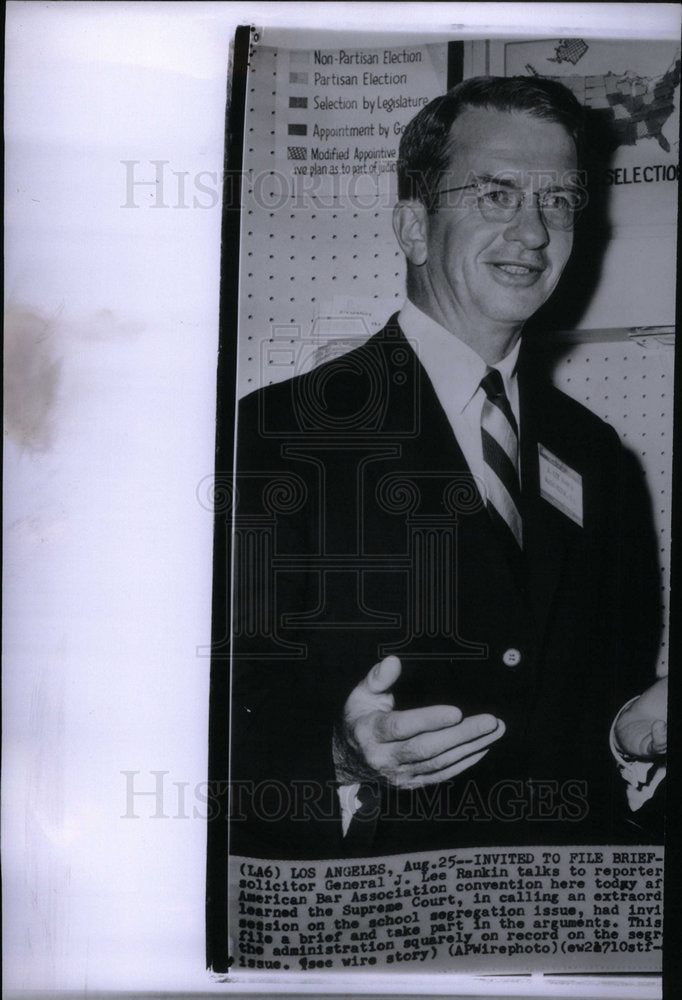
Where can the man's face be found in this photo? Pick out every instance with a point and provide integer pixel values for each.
(494, 273)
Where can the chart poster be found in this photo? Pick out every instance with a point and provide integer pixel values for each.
(340, 111)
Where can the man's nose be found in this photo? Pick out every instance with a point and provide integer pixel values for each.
(528, 227)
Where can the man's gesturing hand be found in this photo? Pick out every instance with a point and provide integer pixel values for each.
(408, 749)
(641, 729)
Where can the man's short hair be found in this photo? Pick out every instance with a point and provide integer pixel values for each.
(424, 152)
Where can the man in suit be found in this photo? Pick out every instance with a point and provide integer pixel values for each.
(435, 618)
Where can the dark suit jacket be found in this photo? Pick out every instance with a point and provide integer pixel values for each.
(359, 532)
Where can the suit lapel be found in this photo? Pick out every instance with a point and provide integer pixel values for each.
(547, 532)
(435, 449)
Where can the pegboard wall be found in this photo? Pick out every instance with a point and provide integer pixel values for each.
(320, 269)
(317, 251)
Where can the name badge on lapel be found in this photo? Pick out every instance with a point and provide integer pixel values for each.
(560, 485)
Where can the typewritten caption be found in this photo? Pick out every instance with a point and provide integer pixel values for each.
(552, 909)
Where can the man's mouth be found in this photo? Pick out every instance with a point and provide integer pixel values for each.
(515, 268)
(514, 272)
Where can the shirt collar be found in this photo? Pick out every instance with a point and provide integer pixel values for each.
(452, 365)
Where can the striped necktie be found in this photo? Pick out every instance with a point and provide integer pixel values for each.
(500, 440)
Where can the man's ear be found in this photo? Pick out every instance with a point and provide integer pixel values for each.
(410, 224)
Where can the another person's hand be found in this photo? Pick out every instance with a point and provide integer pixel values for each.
(641, 729)
(410, 748)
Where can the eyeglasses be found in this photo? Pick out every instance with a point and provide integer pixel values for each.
(558, 208)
